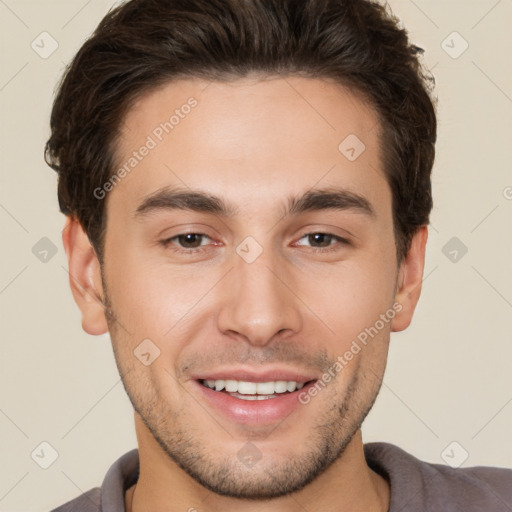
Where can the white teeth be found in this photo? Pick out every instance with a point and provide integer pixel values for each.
(253, 388)
(247, 388)
(254, 397)
(280, 386)
(231, 385)
(265, 388)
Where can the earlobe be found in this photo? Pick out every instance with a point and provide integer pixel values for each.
(85, 277)
(409, 280)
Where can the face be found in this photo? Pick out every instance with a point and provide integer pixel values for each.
(250, 276)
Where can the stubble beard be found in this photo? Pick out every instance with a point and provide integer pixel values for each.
(226, 474)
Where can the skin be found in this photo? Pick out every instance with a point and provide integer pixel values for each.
(252, 142)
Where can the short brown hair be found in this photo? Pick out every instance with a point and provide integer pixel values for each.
(142, 44)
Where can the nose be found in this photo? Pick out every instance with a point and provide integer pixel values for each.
(258, 301)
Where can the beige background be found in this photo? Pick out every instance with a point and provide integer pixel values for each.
(448, 376)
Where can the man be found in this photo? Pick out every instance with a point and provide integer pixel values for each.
(247, 186)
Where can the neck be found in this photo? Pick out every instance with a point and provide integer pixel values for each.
(348, 484)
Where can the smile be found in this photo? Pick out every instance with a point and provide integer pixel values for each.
(246, 390)
(253, 403)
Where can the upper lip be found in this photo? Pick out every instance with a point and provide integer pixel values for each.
(248, 375)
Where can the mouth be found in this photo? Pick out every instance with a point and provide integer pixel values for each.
(252, 400)
(247, 390)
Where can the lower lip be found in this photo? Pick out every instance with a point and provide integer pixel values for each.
(253, 412)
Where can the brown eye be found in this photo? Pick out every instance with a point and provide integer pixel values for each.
(322, 242)
(321, 238)
(185, 242)
(190, 240)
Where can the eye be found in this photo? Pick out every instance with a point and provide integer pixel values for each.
(189, 242)
(324, 240)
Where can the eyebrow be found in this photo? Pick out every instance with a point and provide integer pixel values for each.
(331, 198)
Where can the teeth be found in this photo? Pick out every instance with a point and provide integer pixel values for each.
(281, 386)
(291, 386)
(254, 397)
(265, 388)
(231, 386)
(247, 388)
(253, 388)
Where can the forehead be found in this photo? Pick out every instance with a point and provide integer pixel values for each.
(250, 138)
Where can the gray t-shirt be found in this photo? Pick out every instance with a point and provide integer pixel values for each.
(415, 485)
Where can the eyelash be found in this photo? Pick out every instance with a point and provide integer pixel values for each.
(343, 241)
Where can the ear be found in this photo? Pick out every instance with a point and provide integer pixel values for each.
(85, 277)
(409, 280)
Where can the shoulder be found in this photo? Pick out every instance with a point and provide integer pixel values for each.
(123, 473)
(89, 501)
(419, 485)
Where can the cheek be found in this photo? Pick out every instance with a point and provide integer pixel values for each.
(163, 302)
(159, 301)
(352, 298)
